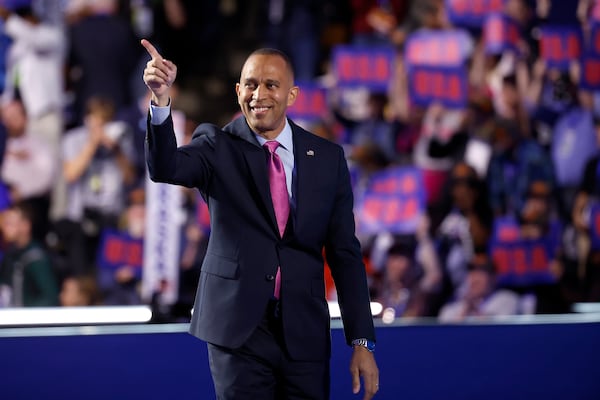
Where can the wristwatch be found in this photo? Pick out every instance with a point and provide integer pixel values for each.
(366, 343)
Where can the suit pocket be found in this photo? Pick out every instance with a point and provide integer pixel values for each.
(220, 266)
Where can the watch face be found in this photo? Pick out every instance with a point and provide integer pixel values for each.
(370, 345)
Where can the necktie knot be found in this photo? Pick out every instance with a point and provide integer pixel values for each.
(271, 145)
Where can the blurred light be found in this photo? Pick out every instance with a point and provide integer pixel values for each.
(389, 315)
(376, 308)
(74, 315)
(586, 307)
(334, 309)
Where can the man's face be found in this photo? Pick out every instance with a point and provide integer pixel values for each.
(14, 118)
(265, 91)
(12, 225)
(478, 284)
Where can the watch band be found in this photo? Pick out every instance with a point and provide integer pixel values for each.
(366, 343)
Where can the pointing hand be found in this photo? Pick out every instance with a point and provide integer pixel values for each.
(159, 75)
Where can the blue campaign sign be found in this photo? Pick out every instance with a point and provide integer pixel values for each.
(590, 72)
(118, 249)
(444, 48)
(501, 33)
(471, 13)
(5, 199)
(595, 225)
(358, 66)
(393, 201)
(311, 103)
(560, 45)
(593, 47)
(519, 261)
(447, 85)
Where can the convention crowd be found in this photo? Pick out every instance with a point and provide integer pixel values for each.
(476, 198)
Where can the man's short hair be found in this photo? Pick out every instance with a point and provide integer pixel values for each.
(269, 51)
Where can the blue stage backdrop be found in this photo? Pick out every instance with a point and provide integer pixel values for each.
(541, 360)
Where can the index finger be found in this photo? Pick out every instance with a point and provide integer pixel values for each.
(151, 49)
(355, 382)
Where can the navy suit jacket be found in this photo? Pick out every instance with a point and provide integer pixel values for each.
(229, 167)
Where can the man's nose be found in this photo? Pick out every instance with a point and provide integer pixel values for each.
(258, 93)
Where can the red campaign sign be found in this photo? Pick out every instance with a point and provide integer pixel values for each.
(559, 46)
(370, 67)
(393, 202)
(311, 103)
(385, 211)
(445, 85)
(118, 249)
(407, 184)
(203, 215)
(447, 48)
(500, 33)
(472, 12)
(521, 258)
(590, 73)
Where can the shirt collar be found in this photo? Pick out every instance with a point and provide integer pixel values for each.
(284, 138)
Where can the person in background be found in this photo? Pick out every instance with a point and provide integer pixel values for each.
(411, 278)
(26, 271)
(29, 166)
(465, 227)
(79, 291)
(586, 200)
(100, 65)
(119, 285)
(99, 169)
(35, 63)
(35, 71)
(479, 296)
(516, 162)
(295, 28)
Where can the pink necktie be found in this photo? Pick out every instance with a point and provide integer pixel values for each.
(279, 195)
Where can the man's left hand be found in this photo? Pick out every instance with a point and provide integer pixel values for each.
(363, 365)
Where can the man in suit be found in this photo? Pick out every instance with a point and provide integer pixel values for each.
(260, 303)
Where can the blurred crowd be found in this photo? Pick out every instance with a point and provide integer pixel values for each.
(520, 153)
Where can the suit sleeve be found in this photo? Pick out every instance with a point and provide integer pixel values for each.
(189, 165)
(344, 257)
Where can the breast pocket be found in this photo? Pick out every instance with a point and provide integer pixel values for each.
(220, 266)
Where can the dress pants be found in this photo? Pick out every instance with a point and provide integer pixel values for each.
(262, 370)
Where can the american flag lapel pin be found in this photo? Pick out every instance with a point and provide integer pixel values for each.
(310, 153)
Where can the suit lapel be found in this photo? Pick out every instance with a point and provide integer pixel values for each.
(256, 161)
(305, 170)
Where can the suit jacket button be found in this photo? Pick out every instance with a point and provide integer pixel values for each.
(269, 277)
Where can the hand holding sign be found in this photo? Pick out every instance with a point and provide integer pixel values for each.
(159, 75)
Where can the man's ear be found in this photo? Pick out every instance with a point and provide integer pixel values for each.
(292, 95)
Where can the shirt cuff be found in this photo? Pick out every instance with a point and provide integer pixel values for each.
(158, 115)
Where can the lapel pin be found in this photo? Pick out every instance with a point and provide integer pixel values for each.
(310, 153)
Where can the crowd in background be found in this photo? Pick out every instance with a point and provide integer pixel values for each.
(74, 111)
